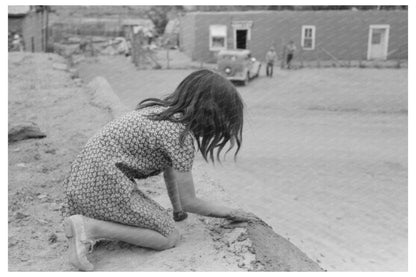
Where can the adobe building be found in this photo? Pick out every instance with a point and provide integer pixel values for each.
(318, 35)
(16, 16)
(29, 22)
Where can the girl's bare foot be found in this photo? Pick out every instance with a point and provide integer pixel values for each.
(79, 244)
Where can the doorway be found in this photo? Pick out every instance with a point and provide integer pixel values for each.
(241, 38)
(378, 41)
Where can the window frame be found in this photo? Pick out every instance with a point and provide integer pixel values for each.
(313, 35)
(216, 48)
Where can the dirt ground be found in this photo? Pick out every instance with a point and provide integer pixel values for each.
(324, 157)
(37, 167)
(41, 90)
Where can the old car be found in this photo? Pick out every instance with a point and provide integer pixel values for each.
(238, 65)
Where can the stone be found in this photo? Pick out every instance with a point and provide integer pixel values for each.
(232, 237)
(42, 196)
(51, 151)
(53, 238)
(60, 66)
(20, 215)
(78, 82)
(25, 130)
(74, 73)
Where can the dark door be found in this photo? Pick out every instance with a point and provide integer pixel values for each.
(241, 40)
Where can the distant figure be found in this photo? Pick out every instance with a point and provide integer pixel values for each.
(149, 36)
(10, 42)
(129, 47)
(270, 59)
(17, 44)
(290, 49)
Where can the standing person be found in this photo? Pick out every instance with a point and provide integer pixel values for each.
(17, 43)
(10, 41)
(128, 48)
(102, 201)
(290, 52)
(270, 59)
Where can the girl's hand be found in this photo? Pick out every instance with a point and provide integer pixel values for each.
(240, 215)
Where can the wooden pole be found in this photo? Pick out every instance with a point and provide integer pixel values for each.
(283, 62)
(318, 61)
(46, 28)
(42, 24)
(301, 58)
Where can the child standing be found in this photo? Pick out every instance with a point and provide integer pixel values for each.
(290, 49)
(270, 59)
(101, 199)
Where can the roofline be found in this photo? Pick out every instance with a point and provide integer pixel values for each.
(292, 11)
(18, 10)
(16, 15)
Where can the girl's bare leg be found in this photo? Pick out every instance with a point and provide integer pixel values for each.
(82, 231)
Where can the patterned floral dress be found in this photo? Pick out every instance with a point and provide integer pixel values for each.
(101, 181)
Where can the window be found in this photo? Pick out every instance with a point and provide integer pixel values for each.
(217, 37)
(376, 38)
(308, 37)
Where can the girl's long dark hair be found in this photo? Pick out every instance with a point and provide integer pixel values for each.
(211, 109)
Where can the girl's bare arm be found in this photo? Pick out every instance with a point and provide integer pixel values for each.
(172, 188)
(182, 183)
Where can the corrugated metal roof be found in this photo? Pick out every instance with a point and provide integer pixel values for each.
(15, 10)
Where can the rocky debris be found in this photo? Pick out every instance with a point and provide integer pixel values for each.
(276, 253)
(25, 130)
(258, 248)
(235, 241)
